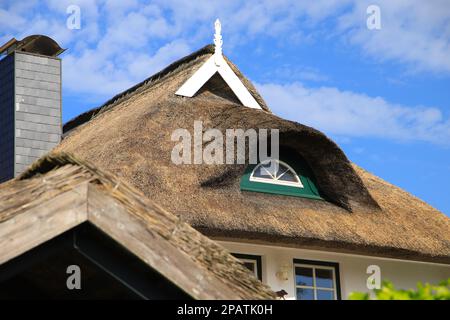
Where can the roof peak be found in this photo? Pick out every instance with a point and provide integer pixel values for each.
(218, 65)
(88, 115)
(158, 77)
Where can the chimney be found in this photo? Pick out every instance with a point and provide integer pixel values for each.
(30, 102)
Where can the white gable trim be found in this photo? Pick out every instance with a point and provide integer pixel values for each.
(206, 71)
(216, 63)
(198, 79)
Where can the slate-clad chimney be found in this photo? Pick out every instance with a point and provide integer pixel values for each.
(30, 102)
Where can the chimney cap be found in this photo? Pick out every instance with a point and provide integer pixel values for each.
(37, 43)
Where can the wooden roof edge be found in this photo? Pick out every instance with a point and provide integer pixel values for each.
(54, 160)
(48, 221)
(7, 45)
(200, 283)
(87, 204)
(162, 256)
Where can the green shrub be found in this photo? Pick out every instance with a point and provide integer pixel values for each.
(423, 292)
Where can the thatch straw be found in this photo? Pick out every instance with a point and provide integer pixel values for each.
(182, 63)
(361, 214)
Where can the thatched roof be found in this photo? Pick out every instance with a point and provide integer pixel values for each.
(60, 192)
(171, 69)
(130, 136)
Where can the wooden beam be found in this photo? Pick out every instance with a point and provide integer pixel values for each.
(39, 224)
(8, 44)
(132, 232)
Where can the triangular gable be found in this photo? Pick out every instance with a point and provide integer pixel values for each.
(73, 192)
(217, 64)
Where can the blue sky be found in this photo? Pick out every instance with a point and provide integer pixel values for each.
(382, 95)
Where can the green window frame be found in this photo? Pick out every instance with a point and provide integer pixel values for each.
(306, 188)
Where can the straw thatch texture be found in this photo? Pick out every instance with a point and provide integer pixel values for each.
(193, 60)
(55, 174)
(363, 214)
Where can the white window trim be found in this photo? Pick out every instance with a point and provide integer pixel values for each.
(314, 287)
(297, 184)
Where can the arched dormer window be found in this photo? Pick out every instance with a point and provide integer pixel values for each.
(276, 172)
(291, 177)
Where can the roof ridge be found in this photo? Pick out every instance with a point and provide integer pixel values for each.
(55, 160)
(86, 116)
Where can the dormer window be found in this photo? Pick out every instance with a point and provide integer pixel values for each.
(276, 172)
(291, 177)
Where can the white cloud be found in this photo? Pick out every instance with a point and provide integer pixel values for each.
(143, 65)
(122, 42)
(119, 44)
(106, 78)
(289, 73)
(414, 32)
(355, 115)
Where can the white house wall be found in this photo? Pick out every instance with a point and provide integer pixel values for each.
(353, 276)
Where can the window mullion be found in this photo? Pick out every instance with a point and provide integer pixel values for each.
(268, 172)
(333, 272)
(282, 174)
(314, 283)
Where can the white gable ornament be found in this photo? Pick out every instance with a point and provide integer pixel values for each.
(216, 63)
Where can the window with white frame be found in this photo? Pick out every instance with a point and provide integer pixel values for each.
(276, 172)
(316, 280)
(290, 177)
(252, 263)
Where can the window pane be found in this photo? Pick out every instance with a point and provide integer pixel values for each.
(261, 172)
(324, 278)
(325, 295)
(250, 266)
(288, 176)
(271, 167)
(305, 294)
(303, 276)
(280, 169)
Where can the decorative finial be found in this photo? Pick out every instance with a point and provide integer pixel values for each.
(218, 42)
